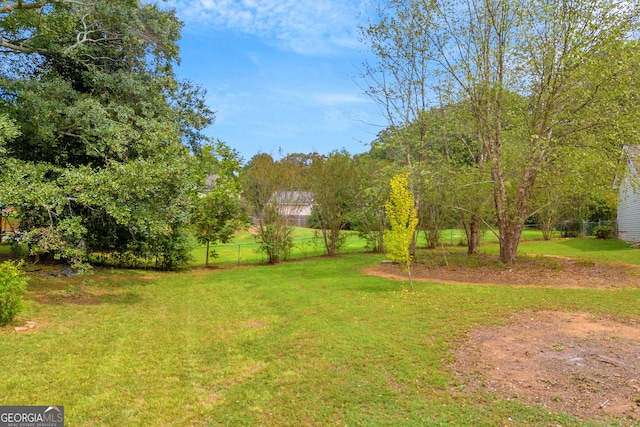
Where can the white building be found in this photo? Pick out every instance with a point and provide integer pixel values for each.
(628, 222)
(295, 206)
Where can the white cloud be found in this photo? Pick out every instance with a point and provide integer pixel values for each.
(304, 26)
(338, 99)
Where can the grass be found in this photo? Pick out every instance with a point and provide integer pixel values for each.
(589, 248)
(243, 250)
(308, 243)
(311, 342)
(585, 250)
(5, 252)
(456, 237)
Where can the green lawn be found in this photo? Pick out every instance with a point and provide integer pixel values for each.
(312, 342)
(244, 250)
(588, 248)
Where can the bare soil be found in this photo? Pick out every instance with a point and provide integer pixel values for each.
(567, 362)
(571, 363)
(539, 271)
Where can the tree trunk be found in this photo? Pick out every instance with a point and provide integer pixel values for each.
(327, 241)
(547, 228)
(206, 260)
(335, 236)
(473, 235)
(509, 240)
(414, 242)
(511, 217)
(379, 245)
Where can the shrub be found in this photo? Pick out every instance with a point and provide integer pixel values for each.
(276, 240)
(13, 282)
(570, 229)
(603, 232)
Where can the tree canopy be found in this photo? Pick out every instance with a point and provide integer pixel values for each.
(537, 77)
(217, 212)
(102, 162)
(270, 192)
(332, 183)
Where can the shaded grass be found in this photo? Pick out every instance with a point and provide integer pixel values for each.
(583, 248)
(312, 342)
(5, 252)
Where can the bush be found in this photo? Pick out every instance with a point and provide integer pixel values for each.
(603, 232)
(570, 229)
(276, 240)
(13, 282)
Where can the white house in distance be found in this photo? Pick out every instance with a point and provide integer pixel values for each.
(628, 221)
(295, 206)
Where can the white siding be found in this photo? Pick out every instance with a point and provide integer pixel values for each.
(295, 206)
(629, 209)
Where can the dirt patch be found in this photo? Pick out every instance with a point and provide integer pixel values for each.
(554, 272)
(65, 298)
(254, 324)
(571, 363)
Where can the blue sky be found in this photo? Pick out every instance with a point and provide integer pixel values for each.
(280, 73)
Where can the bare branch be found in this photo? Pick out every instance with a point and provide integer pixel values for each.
(8, 8)
(22, 49)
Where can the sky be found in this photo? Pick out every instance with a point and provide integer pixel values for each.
(281, 75)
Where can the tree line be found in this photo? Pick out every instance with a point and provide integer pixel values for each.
(498, 111)
(533, 100)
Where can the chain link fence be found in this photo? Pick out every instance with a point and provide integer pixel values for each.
(250, 253)
(588, 227)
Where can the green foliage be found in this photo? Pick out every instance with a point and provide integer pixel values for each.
(603, 207)
(8, 131)
(570, 229)
(216, 211)
(437, 196)
(314, 219)
(402, 221)
(366, 213)
(549, 122)
(13, 282)
(271, 196)
(331, 181)
(100, 164)
(216, 216)
(276, 240)
(603, 232)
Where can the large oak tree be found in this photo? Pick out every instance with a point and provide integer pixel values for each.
(102, 162)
